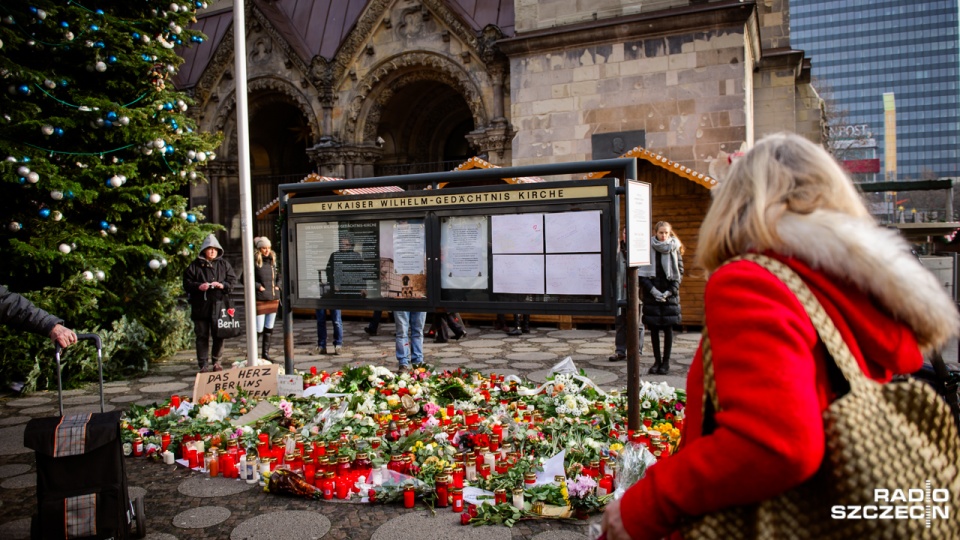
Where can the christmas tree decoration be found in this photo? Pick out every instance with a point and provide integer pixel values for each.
(79, 119)
(154, 264)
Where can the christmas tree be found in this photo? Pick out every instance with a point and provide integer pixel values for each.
(99, 150)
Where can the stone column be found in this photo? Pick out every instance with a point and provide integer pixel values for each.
(493, 140)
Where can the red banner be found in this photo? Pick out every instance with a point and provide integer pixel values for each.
(857, 166)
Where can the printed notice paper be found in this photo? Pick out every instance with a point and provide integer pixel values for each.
(574, 274)
(463, 249)
(518, 274)
(572, 232)
(520, 233)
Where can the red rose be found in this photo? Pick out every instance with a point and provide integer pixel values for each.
(387, 392)
(465, 518)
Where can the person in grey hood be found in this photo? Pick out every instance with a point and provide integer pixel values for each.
(208, 279)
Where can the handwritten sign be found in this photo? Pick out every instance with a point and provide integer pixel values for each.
(290, 384)
(258, 381)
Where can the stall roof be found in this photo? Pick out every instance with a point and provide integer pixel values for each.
(663, 162)
(314, 177)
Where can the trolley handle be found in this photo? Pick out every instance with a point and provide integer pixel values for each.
(82, 337)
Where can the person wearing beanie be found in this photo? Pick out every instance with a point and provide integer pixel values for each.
(207, 280)
(267, 292)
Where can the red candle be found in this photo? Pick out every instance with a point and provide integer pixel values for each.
(342, 488)
(450, 410)
(409, 496)
(174, 401)
(313, 370)
(457, 500)
(164, 441)
(497, 430)
(442, 492)
(264, 438)
(327, 486)
(192, 457)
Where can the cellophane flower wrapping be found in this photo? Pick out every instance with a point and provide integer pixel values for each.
(632, 464)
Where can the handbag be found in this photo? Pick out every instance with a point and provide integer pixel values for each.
(267, 307)
(226, 320)
(897, 437)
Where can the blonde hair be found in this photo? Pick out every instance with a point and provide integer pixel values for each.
(258, 257)
(672, 233)
(783, 173)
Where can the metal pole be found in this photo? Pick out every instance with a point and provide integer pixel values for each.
(287, 310)
(243, 158)
(633, 349)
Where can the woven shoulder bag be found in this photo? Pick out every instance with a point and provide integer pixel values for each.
(896, 436)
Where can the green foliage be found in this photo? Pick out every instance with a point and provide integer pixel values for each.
(89, 99)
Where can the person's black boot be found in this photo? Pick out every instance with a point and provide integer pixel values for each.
(655, 341)
(267, 332)
(203, 365)
(667, 347)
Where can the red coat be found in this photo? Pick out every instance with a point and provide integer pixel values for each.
(771, 379)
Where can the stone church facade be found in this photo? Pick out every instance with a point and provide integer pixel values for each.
(357, 88)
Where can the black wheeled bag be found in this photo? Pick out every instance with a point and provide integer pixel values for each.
(81, 480)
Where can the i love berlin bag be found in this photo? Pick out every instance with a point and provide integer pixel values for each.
(226, 320)
(898, 437)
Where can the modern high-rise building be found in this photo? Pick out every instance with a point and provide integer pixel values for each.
(862, 49)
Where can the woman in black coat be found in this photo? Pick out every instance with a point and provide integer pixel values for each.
(206, 281)
(268, 291)
(661, 292)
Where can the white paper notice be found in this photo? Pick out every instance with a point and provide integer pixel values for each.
(520, 233)
(518, 274)
(463, 253)
(572, 232)
(574, 274)
(289, 384)
(409, 252)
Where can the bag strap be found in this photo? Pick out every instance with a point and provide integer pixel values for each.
(827, 331)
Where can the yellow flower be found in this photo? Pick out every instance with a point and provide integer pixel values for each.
(616, 447)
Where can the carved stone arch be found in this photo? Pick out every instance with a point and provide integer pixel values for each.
(226, 112)
(376, 88)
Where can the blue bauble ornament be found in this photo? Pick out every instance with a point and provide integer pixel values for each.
(33, 10)
(190, 246)
(168, 106)
(112, 59)
(108, 123)
(58, 131)
(136, 35)
(191, 219)
(63, 83)
(111, 115)
(168, 213)
(22, 180)
(44, 213)
(99, 12)
(68, 194)
(174, 124)
(146, 58)
(98, 45)
(199, 39)
(64, 24)
(104, 225)
(94, 28)
(24, 89)
(25, 159)
(168, 150)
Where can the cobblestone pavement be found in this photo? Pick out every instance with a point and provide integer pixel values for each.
(181, 504)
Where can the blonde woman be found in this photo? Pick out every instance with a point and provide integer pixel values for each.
(267, 292)
(788, 199)
(660, 283)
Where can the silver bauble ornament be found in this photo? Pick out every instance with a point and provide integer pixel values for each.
(64, 248)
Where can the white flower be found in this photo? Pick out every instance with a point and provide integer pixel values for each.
(214, 412)
(645, 404)
(402, 384)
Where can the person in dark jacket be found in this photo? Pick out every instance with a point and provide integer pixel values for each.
(268, 292)
(207, 280)
(661, 292)
(20, 313)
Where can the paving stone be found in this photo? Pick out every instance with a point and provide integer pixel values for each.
(159, 536)
(496, 361)
(544, 340)
(14, 420)
(40, 411)
(116, 390)
(16, 530)
(134, 492)
(577, 334)
(489, 337)
(29, 402)
(525, 349)
(590, 351)
(289, 525)
(481, 344)
(459, 360)
(126, 399)
(530, 356)
(449, 353)
(577, 341)
(560, 535)
(20, 482)
(154, 379)
(204, 486)
(81, 400)
(443, 526)
(75, 391)
(164, 388)
(149, 402)
(6, 471)
(88, 408)
(305, 366)
(485, 351)
(484, 357)
(11, 440)
(201, 518)
(172, 368)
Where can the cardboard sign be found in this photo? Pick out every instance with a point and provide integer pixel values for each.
(258, 381)
(290, 384)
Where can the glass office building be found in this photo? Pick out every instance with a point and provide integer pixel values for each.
(862, 49)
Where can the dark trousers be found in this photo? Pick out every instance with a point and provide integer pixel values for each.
(375, 321)
(203, 329)
(620, 341)
(667, 342)
(445, 323)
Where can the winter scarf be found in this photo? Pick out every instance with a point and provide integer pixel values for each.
(878, 261)
(671, 268)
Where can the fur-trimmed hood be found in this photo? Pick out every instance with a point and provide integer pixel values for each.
(879, 262)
